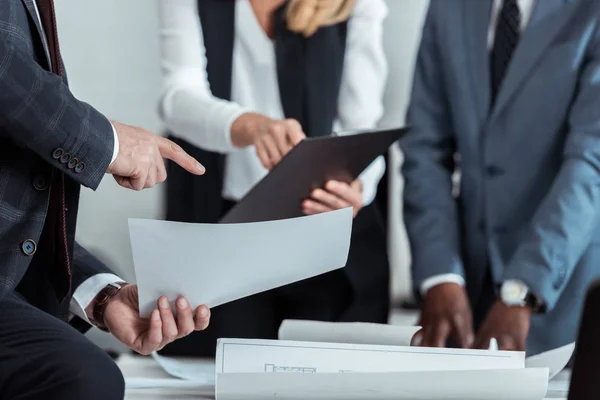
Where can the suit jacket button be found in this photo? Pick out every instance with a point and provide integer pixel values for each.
(79, 167)
(72, 163)
(65, 158)
(29, 247)
(41, 182)
(58, 153)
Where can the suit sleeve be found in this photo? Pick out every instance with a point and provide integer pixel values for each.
(38, 111)
(90, 276)
(568, 217)
(430, 211)
(85, 265)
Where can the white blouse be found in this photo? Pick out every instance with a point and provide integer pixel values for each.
(191, 112)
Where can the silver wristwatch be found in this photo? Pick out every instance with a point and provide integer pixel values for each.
(515, 293)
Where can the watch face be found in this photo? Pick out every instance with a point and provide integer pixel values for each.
(513, 293)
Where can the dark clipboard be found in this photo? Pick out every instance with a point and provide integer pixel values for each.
(309, 165)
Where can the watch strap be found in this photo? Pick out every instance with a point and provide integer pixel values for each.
(534, 302)
(101, 301)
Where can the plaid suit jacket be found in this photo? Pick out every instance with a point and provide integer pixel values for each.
(40, 118)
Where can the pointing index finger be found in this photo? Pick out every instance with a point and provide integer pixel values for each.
(175, 153)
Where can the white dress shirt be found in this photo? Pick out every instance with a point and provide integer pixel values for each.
(89, 289)
(191, 112)
(526, 9)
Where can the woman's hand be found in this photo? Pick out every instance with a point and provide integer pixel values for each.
(272, 138)
(334, 196)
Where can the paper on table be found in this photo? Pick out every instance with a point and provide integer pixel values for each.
(214, 264)
(493, 344)
(381, 334)
(555, 360)
(558, 387)
(347, 332)
(249, 355)
(198, 371)
(154, 383)
(516, 384)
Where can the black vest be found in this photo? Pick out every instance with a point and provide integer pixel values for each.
(309, 72)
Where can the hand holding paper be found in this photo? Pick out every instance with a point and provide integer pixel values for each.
(146, 335)
(219, 263)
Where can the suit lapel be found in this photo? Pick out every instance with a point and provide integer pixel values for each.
(30, 6)
(546, 21)
(476, 22)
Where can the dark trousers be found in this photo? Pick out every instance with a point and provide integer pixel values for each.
(323, 298)
(42, 357)
(486, 300)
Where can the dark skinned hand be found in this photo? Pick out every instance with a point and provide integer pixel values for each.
(445, 313)
(508, 325)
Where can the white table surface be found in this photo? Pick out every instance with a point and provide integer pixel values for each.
(146, 367)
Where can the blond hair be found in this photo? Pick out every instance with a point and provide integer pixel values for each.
(306, 16)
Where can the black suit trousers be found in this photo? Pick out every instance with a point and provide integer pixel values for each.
(42, 357)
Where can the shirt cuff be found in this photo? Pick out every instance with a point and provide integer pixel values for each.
(439, 279)
(370, 178)
(116, 145)
(87, 291)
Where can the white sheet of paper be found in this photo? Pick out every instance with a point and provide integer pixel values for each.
(155, 383)
(555, 360)
(214, 264)
(493, 344)
(250, 356)
(198, 371)
(558, 387)
(347, 332)
(514, 384)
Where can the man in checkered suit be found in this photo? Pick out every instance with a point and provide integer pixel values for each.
(50, 144)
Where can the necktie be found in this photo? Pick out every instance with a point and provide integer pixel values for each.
(506, 39)
(57, 215)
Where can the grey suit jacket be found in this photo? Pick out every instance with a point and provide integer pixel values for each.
(529, 202)
(38, 117)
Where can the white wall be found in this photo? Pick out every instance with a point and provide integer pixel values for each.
(402, 35)
(111, 51)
